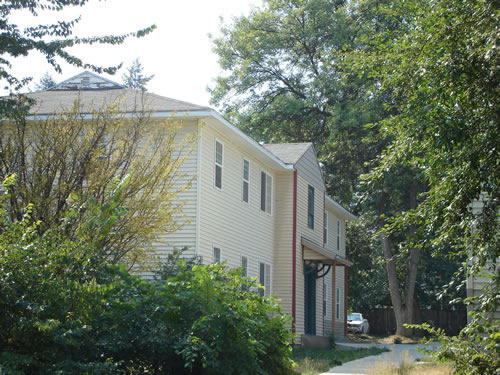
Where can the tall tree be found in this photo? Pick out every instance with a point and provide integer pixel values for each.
(52, 41)
(46, 82)
(442, 69)
(286, 78)
(135, 78)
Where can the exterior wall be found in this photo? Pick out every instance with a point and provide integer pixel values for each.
(339, 283)
(225, 220)
(283, 257)
(308, 173)
(332, 233)
(185, 237)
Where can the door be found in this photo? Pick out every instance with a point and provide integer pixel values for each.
(310, 299)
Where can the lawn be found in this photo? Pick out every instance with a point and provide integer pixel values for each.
(313, 361)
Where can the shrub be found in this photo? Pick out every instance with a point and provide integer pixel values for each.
(63, 309)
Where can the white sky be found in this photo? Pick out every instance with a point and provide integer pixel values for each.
(179, 52)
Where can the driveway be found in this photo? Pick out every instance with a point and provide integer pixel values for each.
(397, 353)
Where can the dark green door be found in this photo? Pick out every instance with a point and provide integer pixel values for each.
(310, 300)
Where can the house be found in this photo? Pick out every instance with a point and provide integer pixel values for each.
(260, 207)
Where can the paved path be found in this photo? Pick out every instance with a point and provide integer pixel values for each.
(398, 353)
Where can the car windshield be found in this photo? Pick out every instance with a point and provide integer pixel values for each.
(354, 317)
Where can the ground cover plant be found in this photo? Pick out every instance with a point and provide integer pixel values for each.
(314, 360)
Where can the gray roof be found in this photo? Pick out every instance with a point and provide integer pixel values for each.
(288, 153)
(129, 100)
(94, 92)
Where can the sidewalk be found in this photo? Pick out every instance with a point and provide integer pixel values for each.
(397, 353)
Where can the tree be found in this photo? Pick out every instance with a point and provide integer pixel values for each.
(442, 69)
(68, 161)
(46, 82)
(53, 41)
(287, 78)
(134, 78)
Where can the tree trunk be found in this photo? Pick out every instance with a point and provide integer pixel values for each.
(404, 306)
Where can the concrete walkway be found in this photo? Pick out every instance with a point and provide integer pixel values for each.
(397, 353)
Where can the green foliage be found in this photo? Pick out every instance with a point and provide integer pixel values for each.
(52, 41)
(46, 82)
(62, 310)
(134, 78)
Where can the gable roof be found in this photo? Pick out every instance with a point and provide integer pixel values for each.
(288, 153)
(87, 81)
(128, 100)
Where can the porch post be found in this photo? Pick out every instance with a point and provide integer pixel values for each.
(345, 300)
(334, 267)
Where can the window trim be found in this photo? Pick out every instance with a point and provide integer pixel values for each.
(325, 228)
(247, 181)
(337, 304)
(241, 265)
(216, 164)
(267, 200)
(214, 246)
(268, 291)
(338, 235)
(310, 206)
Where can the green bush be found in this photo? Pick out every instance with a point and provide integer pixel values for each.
(65, 310)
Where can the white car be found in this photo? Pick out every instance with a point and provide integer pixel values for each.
(356, 323)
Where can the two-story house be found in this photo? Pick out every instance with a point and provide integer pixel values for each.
(260, 207)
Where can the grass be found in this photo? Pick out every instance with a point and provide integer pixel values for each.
(312, 361)
(406, 367)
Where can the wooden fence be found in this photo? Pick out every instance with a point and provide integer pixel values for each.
(383, 321)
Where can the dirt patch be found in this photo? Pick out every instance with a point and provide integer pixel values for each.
(380, 339)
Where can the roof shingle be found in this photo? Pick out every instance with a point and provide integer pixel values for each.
(288, 153)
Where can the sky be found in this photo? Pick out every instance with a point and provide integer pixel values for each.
(179, 52)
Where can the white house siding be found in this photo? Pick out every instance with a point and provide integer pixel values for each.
(308, 173)
(339, 283)
(236, 227)
(283, 257)
(185, 237)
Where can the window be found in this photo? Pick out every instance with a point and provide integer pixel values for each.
(265, 279)
(244, 266)
(266, 188)
(216, 254)
(246, 180)
(325, 291)
(219, 151)
(310, 207)
(338, 235)
(337, 305)
(325, 228)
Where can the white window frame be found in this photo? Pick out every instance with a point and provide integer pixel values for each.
(245, 269)
(214, 259)
(268, 208)
(325, 227)
(247, 181)
(310, 208)
(216, 164)
(267, 279)
(339, 227)
(337, 304)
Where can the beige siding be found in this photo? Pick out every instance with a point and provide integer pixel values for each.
(283, 257)
(308, 173)
(339, 283)
(332, 233)
(237, 227)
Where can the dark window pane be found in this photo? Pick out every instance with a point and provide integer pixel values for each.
(218, 176)
(262, 191)
(245, 191)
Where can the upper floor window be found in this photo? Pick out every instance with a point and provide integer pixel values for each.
(265, 279)
(246, 180)
(310, 207)
(338, 235)
(217, 257)
(266, 188)
(219, 153)
(325, 228)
